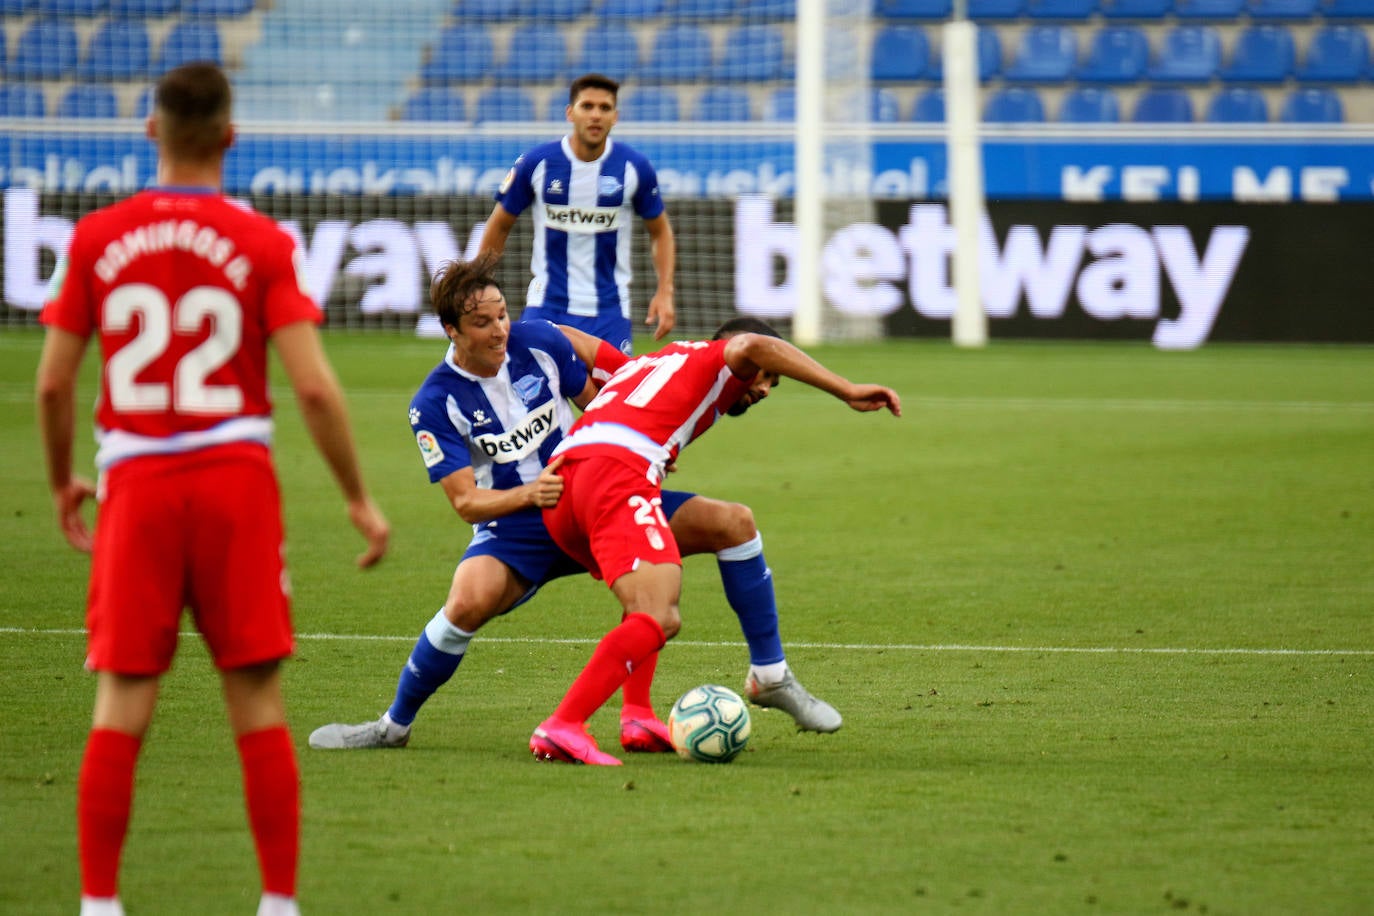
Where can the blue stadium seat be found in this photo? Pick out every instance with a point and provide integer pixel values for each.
(557, 107)
(119, 50)
(1313, 105)
(637, 10)
(504, 103)
(1347, 9)
(703, 9)
(995, 10)
(1014, 105)
(1238, 105)
(1335, 54)
(680, 53)
(884, 106)
(1090, 105)
(989, 53)
(1116, 54)
(217, 9)
(1163, 105)
(435, 103)
(484, 10)
(88, 100)
(1135, 9)
(1188, 54)
(4, 47)
(755, 53)
(913, 9)
(137, 9)
(650, 103)
(781, 104)
(1301, 10)
(1047, 53)
(1060, 9)
(74, 8)
(556, 10)
(929, 107)
(767, 10)
(1261, 54)
(611, 49)
(17, 7)
(537, 53)
(189, 40)
(463, 54)
(143, 106)
(723, 103)
(901, 53)
(22, 100)
(47, 50)
(1219, 10)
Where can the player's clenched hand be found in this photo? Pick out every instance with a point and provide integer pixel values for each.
(67, 501)
(373, 526)
(548, 486)
(874, 397)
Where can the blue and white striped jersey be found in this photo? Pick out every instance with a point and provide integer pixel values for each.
(504, 427)
(583, 224)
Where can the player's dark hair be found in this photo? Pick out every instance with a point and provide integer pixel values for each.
(592, 81)
(193, 106)
(745, 324)
(458, 284)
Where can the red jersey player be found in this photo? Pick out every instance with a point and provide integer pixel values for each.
(185, 289)
(609, 516)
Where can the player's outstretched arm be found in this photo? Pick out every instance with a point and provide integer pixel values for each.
(749, 353)
(56, 395)
(326, 417)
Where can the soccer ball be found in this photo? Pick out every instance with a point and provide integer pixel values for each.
(710, 724)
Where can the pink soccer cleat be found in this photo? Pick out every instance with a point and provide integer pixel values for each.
(642, 732)
(568, 742)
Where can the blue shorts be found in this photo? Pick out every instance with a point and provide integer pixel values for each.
(521, 541)
(611, 327)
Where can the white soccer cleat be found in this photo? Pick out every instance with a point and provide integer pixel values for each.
(810, 713)
(378, 733)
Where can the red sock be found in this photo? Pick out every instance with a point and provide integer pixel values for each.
(635, 691)
(104, 798)
(272, 790)
(633, 643)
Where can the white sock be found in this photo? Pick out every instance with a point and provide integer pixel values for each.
(391, 727)
(278, 905)
(101, 906)
(769, 675)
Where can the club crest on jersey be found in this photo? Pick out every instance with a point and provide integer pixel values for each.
(528, 388)
(414, 416)
(608, 186)
(429, 448)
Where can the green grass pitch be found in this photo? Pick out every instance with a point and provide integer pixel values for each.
(1100, 620)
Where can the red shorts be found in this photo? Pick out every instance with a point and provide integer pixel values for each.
(201, 530)
(610, 518)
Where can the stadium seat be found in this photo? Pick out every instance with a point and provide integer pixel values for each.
(22, 100)
(1347, 9)
(611, 49)
(901, 53)
(1135, 9)
(556, 10)
(88, 100)
(73, 8)
(767, 10)
(884, 107)
(1301, 10)
(143, 106)
(1313, 105)
(995, 10)
(485, 10)
(637, 10)
(17, 7)
(680, 53)
(703, 9)
(936, 10)
(46, 50)
(1090, 105)
(189, 40)
(435, 103)
(1060, 9)
(463, 54)
(723, 103)
(1047, 53)
(989, 53)
(1163, 106)
(1261, 54)
(4, 48)
(119, 50)
(1219, 10)
(216, 9)
(754, 53)
(1014, 105)
(1335, 54)
(649, 103)
(929, 107)
(137, 9)
(781, 104)
(1188, 54)
(1238, 105)
(1116, 54)
(536, 53)
(504, 103)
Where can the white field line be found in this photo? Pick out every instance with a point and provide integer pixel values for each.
(832, 646)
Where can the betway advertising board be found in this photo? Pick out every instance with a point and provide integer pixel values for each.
(1046, 162)
(1174, 274)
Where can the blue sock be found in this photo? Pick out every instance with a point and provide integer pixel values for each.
(749, 588)
(436, 655)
